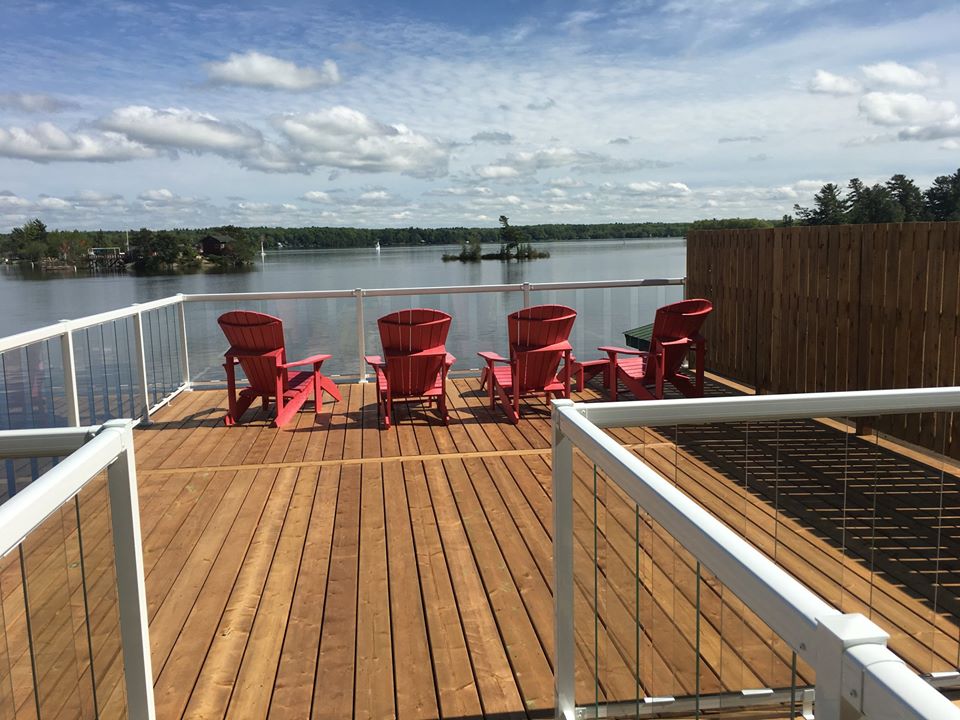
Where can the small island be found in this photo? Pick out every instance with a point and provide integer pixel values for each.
(514, 245)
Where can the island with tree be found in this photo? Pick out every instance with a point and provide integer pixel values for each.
(514, 245)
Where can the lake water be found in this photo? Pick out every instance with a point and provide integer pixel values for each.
(32, 300)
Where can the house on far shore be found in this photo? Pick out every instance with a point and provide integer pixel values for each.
(216, 244)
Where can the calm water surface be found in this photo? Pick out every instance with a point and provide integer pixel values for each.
(31, 300)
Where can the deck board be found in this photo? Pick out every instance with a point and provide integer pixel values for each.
(334, 569)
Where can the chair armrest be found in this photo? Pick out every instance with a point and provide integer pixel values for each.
(449, 360)
(231, 353)
(670, 343)
(492, 357)
(312, 360)
(563, 345)
(612, 349)
(374, 361)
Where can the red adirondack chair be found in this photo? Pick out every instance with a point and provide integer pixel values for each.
(538, 343)
(415, 361)
(256, 344)
(676, 331)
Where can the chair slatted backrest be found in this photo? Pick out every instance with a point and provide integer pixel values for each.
(678, 321)
(413, 331)
(250, 333)
(536, 327)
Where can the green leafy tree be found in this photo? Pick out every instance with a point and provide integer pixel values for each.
(942, 199)
(829, 208)
(30, 241)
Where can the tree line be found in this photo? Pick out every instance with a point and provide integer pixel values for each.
(34, 242)
(899, 199)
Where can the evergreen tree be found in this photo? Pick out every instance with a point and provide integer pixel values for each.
(908, 196)
(942, 199)
(874, 204)
(829, 208)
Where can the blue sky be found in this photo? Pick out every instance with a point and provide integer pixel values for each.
(127, 114)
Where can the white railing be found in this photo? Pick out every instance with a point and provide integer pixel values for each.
(65, 331)
(856, 675)
(87, 452)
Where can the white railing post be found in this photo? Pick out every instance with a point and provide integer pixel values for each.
(838, 692)
(361, 340)
(526, 294)
(141, 360)
(70, 379)
(184, 355)
(131, 592)
(564, 700)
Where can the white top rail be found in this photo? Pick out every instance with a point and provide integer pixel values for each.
(26, 510)
(44, 442)
(435, 290)
(771, 407)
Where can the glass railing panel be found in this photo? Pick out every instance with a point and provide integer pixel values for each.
(311, 326)
(55, 617)
(31, 396)
(161, 347)
(105, 359)
(92, 507)
(479, 322)
(31, 387)
(867, 523)
(13, 638)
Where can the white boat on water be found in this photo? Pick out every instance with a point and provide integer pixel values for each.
(377, 246)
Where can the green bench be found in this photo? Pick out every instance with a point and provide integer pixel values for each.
(639, 338)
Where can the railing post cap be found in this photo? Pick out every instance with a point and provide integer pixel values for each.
(562, 402)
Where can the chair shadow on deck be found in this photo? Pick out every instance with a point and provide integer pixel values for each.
(887, 512)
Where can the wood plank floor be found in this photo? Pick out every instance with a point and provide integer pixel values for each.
(337, 570)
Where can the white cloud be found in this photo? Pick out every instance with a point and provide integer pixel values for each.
(658, 189)
(949, 128)
(182, 129)
(566, 182)
(162, 199)
(827, 83)
(493, 172)
(9, 200)
(34, 102)
(892, 74)
(350, 140)
(904, 109)
(255, 69)
(47, 143)
(317, 196)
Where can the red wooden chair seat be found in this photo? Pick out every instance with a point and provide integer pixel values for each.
(538, 344)
(415, 362)
(676, 331)
(256, 344)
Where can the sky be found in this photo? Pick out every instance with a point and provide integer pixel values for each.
(122, 114)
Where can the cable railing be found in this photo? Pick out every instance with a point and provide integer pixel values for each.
(74, 611)
(663, 608)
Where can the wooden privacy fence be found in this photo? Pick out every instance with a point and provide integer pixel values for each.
(840, 307)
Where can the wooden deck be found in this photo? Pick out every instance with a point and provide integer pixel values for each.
(336, 570)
